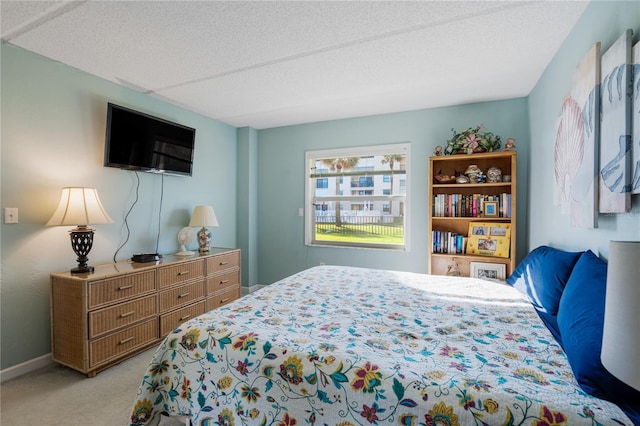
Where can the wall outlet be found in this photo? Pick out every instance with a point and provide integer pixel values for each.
(11, 215)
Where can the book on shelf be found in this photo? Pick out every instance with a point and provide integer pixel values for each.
(448, 242)
(461, 205)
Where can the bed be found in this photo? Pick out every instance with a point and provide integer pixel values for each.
(336, 345)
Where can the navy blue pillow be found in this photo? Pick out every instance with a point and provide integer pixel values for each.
(542, 275)
(581, 322)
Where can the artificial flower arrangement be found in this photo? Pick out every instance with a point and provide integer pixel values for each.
(474, 139)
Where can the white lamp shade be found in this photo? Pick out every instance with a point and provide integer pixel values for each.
(203, 216)
(621, 336)
(79, 206)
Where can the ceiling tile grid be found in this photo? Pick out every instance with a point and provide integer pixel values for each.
(269, 64)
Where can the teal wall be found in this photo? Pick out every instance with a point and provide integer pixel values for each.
(604, 22)
(53, 127)
(247, 202)
(282, 179)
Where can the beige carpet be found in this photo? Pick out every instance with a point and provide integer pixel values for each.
(61, 396)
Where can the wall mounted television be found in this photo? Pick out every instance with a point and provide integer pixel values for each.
(141, 142)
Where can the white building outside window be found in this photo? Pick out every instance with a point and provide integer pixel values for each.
(357, 197)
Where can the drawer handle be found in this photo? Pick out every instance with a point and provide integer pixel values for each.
(125, 287)
(183, 273)
(180, 296)
(122, 342)
(127, 314)
(224, 281)
(185, 317)
(224, 263)
(225, 300)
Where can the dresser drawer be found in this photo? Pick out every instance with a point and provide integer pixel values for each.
(222, 262)
(111, 290)
(222, 282)
(170, 321)
(181, 296)
(223, 298)
(115, 345)
(105, 320)
(185, 271)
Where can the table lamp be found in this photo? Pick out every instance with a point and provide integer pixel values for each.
(203, 216)
(80, 207)
(621, 335)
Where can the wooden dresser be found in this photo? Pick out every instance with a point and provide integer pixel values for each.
(103, 318)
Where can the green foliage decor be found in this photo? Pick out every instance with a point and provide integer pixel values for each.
(474, 139)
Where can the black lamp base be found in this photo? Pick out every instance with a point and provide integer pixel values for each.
(81, 243)
(82, 270)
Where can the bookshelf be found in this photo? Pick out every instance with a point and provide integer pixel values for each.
(454, 206)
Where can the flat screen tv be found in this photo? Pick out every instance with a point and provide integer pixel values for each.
(141, 142)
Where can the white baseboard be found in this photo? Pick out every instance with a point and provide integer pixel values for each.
(251, 289)
(25, 367)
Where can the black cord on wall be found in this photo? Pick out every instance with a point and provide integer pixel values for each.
(160, 212)
(126, 224)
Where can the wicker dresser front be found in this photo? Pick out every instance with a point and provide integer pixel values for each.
(121, 309)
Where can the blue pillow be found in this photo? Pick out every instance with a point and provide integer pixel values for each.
(581, 322)
(542, 275)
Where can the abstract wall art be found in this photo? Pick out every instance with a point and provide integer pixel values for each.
(577, 136)
(616, 93)
(635, 144)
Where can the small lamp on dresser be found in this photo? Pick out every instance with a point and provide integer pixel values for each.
(621, 336)
(203, 216)
(80, 207)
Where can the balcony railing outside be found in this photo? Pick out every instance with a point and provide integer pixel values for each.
(386, 225)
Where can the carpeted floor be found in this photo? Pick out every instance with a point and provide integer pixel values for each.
(61, 396)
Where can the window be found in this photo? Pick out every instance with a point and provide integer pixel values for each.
(368, 208)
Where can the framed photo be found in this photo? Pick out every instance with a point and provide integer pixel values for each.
(479, 229)
(488, 271)
(490, 209)
(499, 231)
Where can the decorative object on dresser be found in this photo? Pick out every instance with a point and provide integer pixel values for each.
(186, 236)
(621, 337)
(80, 207)
(122, 308)
(203, 216)
(473, 221)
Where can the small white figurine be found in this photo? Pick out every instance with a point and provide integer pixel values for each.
(510, 145)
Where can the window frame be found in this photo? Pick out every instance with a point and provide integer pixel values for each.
(360, 151)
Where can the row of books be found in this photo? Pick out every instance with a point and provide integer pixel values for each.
(461, 205)
(449, 242)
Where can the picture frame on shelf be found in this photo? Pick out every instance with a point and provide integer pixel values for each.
(488, 271)
(490, 209)
(500, 230)
(479, 229)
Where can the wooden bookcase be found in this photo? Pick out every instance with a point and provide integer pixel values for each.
(455, 222)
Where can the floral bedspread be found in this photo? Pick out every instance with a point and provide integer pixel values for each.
(351, 346)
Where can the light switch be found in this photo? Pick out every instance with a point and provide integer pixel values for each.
(301, 211)
(11, 215)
